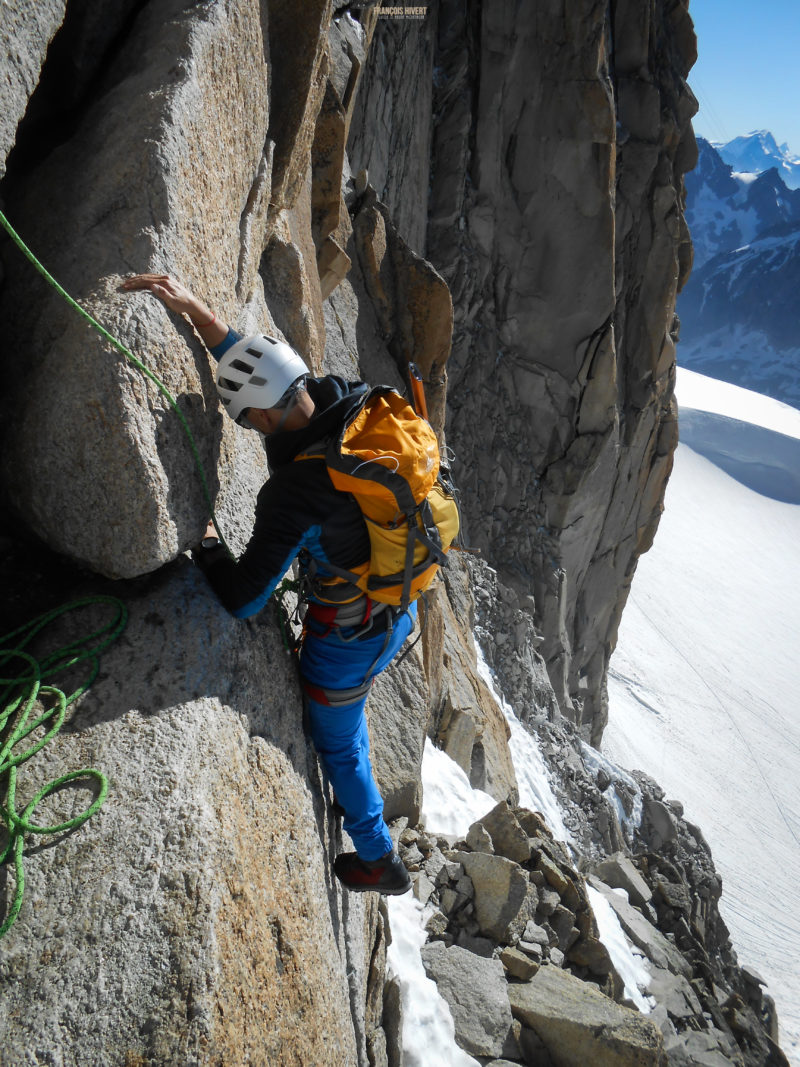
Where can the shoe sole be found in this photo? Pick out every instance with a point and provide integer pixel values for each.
(395, 892)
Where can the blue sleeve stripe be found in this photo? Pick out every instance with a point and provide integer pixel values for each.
(260, 601)
(310, 540)
(219, 350)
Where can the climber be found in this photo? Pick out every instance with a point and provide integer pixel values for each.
(265, 385)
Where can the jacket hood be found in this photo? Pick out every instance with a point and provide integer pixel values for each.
(335, 400)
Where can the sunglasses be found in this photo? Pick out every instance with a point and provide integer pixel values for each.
(279, 405)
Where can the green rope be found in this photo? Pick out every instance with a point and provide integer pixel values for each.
(288, 585)
(20, 689)
(129, 356)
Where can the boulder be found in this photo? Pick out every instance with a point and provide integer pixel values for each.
(478, 838)
(507, 836)
(476, 992)
(504, 898)
(660, 823)
(578, 1025)
(619, 872)
(518, 963)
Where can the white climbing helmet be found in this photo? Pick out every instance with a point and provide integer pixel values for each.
(255, 372)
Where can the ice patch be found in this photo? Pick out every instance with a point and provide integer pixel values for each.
(595, 761)
(449, 803)
(630, 965)
(428, 1029)
(535, 791)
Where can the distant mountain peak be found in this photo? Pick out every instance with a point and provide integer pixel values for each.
(764, 137)
(758, 151)
(738, 309)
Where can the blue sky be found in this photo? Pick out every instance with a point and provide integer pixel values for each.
(747, 76)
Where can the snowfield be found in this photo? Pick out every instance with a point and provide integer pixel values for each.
(703, 688)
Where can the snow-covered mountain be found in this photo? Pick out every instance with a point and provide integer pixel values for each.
(703, 684)
(725, 210)
(738, 311)
(758, 151)
(739, 316)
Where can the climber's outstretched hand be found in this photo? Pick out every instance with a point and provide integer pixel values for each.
(173, 293)
(178, 298)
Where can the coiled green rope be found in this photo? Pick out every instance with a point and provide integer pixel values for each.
(21, 678)
(126, 352)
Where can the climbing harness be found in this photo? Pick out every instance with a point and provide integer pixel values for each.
(21, 686)
(126, 352)
(336, 698)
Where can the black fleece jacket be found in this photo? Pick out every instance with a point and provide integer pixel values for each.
(297, 508)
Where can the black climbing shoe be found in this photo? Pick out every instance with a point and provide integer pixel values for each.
(385, 875)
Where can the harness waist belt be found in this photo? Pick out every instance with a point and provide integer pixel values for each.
(356, 613)
(335, 698)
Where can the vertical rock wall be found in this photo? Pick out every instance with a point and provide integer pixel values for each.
(297, 171)
(207, 141)
(556, 218)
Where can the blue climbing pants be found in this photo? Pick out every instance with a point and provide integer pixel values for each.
(339, 732)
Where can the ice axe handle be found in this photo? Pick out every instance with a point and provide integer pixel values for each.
(417, 390)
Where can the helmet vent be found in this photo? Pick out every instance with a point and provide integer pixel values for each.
(255, 380)
(238, 364)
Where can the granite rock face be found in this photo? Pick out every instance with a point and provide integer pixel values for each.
(195, 918)
(374, 190)
(206, 876)
(556, 217)
(22, 53)
(136, 193)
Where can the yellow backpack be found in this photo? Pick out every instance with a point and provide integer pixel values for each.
(387, 458)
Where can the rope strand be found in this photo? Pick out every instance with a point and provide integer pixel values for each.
(126, 352)
(21, 689)
(19, 692)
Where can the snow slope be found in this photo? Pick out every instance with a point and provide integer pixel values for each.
(703, 688)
